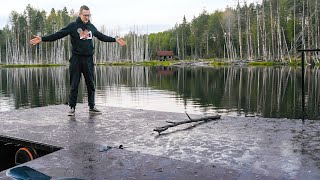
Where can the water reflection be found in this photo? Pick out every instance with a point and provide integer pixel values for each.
(267, 92)
(31, 87)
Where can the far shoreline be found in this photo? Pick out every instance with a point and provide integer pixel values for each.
(203, 62)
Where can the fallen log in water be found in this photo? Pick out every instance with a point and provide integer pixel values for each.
(173, 124)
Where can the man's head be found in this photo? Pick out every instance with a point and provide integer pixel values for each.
(84, 14)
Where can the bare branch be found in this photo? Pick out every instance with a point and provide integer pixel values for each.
(173, 124)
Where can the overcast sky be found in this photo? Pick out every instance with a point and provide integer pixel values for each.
(123, 15)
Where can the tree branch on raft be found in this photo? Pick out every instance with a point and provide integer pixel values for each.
(173, 124)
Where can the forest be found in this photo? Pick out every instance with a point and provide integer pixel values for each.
(268, 30)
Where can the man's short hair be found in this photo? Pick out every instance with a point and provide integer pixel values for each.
(84, 7)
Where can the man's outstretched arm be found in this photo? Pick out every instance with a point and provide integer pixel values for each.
(58, 35)
(106, 38)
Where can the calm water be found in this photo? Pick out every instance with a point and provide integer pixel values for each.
(234, 91)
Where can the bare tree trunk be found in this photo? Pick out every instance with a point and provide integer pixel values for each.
(258, 34)
(26, 58)
(147, 57)
(264, 39)
(183, 46)
(279, 33)
(285, 42)
(317, 24)
(247, 31)
(229, 44)
(178, 47)
(272, 30)
(250, 38)
(317, 29)
(131, 48)
(207, 44)
(239, 29)
(309, 30)
(294, 30)
(303, 27)
(226, 51)
(7, 52)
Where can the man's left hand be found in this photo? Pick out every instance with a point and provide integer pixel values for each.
(121, 41)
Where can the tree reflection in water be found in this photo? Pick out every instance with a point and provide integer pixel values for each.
(237, 91)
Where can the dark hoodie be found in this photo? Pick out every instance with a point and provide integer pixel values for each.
(81, 37)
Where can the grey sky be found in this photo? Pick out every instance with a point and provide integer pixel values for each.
(123, 15)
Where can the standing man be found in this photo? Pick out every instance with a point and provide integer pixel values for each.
(81, 32)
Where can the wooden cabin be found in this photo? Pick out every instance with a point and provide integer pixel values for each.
(165, 55)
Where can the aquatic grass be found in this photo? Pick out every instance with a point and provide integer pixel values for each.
(116, 64)
(155, 63)
(219, 63)
(264, 63)
(294, 63)
(144, 63)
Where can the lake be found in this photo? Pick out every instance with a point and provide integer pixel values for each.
(271, 92)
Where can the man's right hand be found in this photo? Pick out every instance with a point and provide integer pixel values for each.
(36, 40)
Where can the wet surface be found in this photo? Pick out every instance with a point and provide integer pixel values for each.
(233, 148)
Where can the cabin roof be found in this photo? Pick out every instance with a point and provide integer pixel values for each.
(165, 53)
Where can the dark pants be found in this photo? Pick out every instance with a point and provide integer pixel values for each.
(81, 64)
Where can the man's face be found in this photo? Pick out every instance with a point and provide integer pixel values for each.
(85, 16)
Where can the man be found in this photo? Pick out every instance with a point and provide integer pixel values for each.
(81, 32)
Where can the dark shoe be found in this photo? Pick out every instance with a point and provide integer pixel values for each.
(94, 111)
(72, 111)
